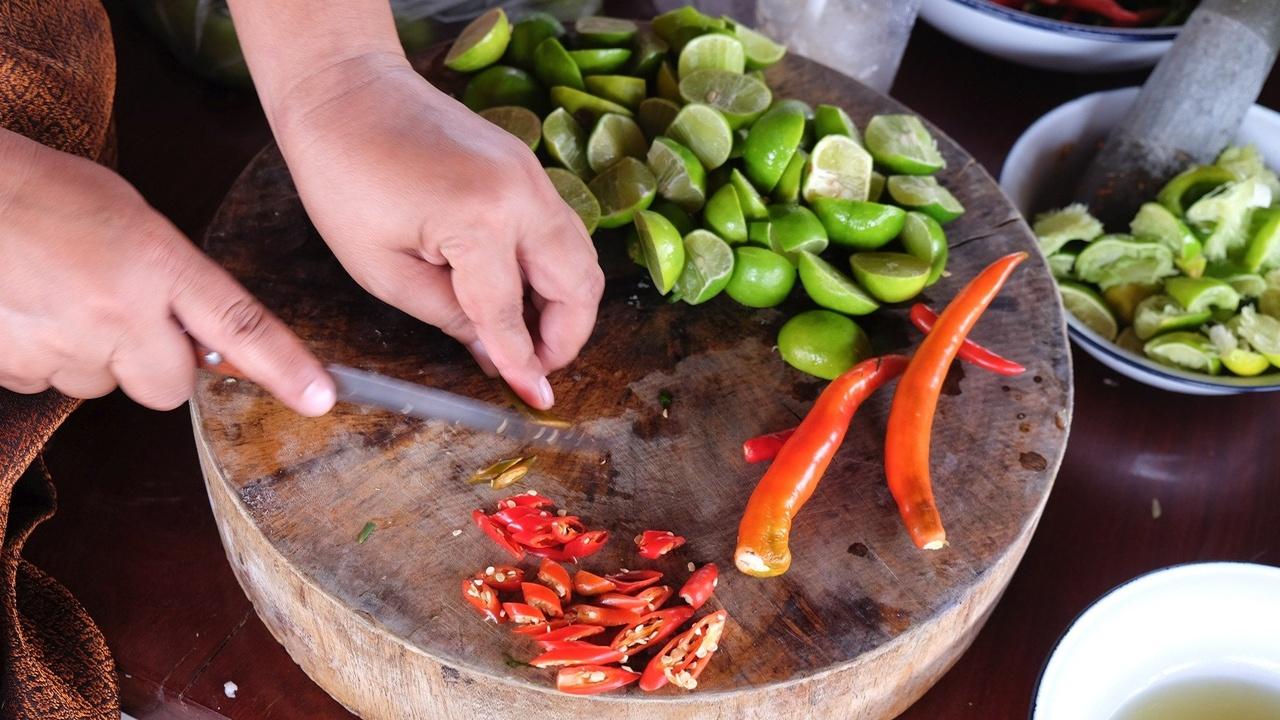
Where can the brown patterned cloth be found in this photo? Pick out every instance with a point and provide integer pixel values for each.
(57, 81)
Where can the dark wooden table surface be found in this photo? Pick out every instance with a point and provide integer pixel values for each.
(135, 541)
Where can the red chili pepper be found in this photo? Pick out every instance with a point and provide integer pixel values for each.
(503, 578)
(923, 317)
(568, 632)
(480, 596)
(698, 588)
(764, 448)
(553, 575)
(655, 597)
(522, 518)
(629, 581)
(684, 658)
(566, 528)
(596, 615)
(626, 602)
(1109, 9)
(762, 534)
(535, 538)
(497, 534)
(538, 630)
(650, 629)
(526, 500)
(522, 614)
(592, 679)
(543, 598)
(585, 583)
(576, 652)
(654, 544)
(586, 544)
(910, 427)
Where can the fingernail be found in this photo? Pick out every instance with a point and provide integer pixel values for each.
(546, 397)
(318, 398)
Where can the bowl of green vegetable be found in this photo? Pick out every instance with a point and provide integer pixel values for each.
(1186, 297)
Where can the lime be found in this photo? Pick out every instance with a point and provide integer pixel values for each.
(566, 142)
(1197, 294)
(723, 214)
(665, 84)
(583, 104)
(632, 240)
(761, 278)
(676, 214)
(806, 138)
(526, 34)
(758, 233)
(708, 265)
(575, 194)
(889, 276)
(1269, 302)
(1124, 299)
(1128, 340)
(833, 120)
(1249, 285)
(605, 31)
(681, 178)
(902, 144)
(794, 229)
(600, 61)
(739, 140)
(856, 224)
(711, 52)
(753, 207)
(773, 139)
(655, 116)
(1245, 162)
(761, 52)
(481, 43)
(838, 168)
(663, 249)
(521, 122)
(740, 98)
(503, 85)
(1119, 259)
(1223, 216)
(1062, 264)
(1235, 353)
(1263, 251)
(683, 24)
(822, 343)
(1087, 306)
(788, 188)
(875, 187)
(622, 89)
(1072, 223)
(1186, 350)
(1161, 313)
(1155, 222)
(831, 288)
(553, 66)
(1262, 332)
(622, 189)
(924, 238)
(926, 195)
(614, 137)
(1190, 185)
(704, 131)
(650, 51)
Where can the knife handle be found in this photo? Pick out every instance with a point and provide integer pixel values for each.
(213, 361)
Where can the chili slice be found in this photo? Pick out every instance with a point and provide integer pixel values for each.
(522, 614)
(480, 596)
(650, 629)
(497, 534)
(764, 448)
(655, 597)
(596, 615)
(910, 427)
(592, 679)
(585, 583)
(535, 538)
(698, 588)
(503, 578)
(543, 598)
(923, 317)
(629, 581)
(568, 632)
(538, 630)
(576, 652)
(586, 544)
(626, 602)
(684, 658)
(762, 534)
(553, 575)
(526, 500)
(654, 544)
(522, 518)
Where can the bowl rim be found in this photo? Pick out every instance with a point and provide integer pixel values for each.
(1156, 34)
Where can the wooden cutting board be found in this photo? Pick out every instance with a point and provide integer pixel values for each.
(860, 627)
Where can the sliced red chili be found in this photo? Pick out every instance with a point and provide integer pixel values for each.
(585, 583)
(568, 632)
(480, 596)
(629, 581)
(522, 518)
(503, 578)
(764, 448)
(923, 317)
(626, 602)
(543, 598)
(526, 500)
(592, 679)
(684, 658)
(535, 629)
(552, 553)
(650, 629)
(497, 534)
(522, 614)
(536, 538)
(654, 544)
(654, 597)
(553, 575)
(576, 652)
(698, 588)
(566, 528)
(586, 544)
(597, 615)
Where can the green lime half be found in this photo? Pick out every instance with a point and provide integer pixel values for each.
(794, 229)
(761, 278)
(1190, 185)
(566, 142)
(605, 31)
(875, 188)
(708, 265)
(822, 343)
(753, 207)
(740, 98)
(1262, 332)
(1062, 264)
(902, 144)
(773, 139)
(704, 131)
(1087, 306)
(553, 66)
(655, 116)
(521, 122)
(1072, 223)
(1157, 223)
(1186, 350)
(1235, 352)
(481, 43)
(923, 237)
(650, 51)
(890, 277)
(838, 168)
(681, 178)
(831, 288)
(503, 85)
(663, 249)
(1124, 299)
(788, 188)
(677, 215)
(723, 214)
(1263, 251)
(761, 51)
(758, 233)
(585, 105)
(833, 120)
(665, 84)
(1161, 313)
(923, 193)
(683, 24)
(1128, 340)
(861, 225)
(525, 36)
(1119, 259)
(1223, 216)
(622, 89)
(622, 189)
(600, 61)
(1197, 294)
(614, 137)
(576, 195)
(711, 52)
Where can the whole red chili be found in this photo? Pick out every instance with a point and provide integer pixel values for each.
(764, 448)
(923, 317)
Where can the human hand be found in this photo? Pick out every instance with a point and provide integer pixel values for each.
(96, 289)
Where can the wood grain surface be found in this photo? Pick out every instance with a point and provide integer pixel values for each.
(860, 627)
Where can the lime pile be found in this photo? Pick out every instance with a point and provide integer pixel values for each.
(671, 133)
(1195, 283)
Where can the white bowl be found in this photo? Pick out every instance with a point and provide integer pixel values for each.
(1038, 175)
(1188, 622)
(1046, 43)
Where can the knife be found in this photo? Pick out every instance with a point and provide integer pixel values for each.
(370, 389)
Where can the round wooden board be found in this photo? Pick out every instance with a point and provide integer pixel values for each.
(860, 627)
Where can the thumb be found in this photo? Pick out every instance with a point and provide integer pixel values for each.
(219, 313)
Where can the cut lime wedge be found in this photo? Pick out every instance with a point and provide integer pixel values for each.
(525, 36)
(1245, 162)
(761, 278)
(923, 237)
(1155, 222)
(622, 189)
(723, 215)
(666, 85)
(503, 85)
(1223, 216)
(1062, 264)
(676, 214)
(566, 142)
(1088, 307)
(890, 277)
(902, 144)
(1056, 228)
(822, 343)
(711, 52)
(708, 265)
(575, 194)
(553, 66)
(875, 188)
(704, 131)
(740, 98)
(861, 225)
(788, 188)
(614, 137)
(585, 105)
(683, 24)
(753, 207)
(1186, 350)
(1263, 251)
(605, 31)
(650, 51)
(794, 229)
(655, 116)
(1124, 299)
(831, 288)
(622, 89)
(833, 120)
(663, 249)
(923, 193)
(1161, 313)
(600, 61)
(520, 122)
(1119, 259)
(681, 178)
(761, 51)
(773, 139)
(1190, 185)
(481, 43)
(1262, 332)
(838, 168)
(1202, 294)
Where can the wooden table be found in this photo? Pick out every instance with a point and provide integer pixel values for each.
(1150, 479)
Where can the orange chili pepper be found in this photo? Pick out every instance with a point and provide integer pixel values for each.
(906, 451)
(787, 484)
